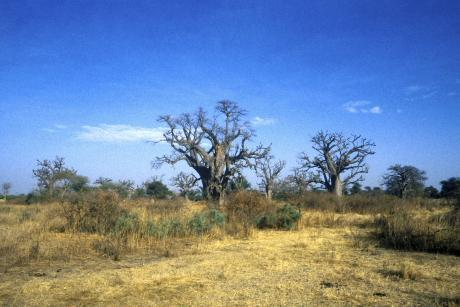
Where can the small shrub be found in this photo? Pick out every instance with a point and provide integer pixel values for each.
(216, 217)
(127, 223)
(288, 216)
(151, 229)
(171, 227)
(204, 222)
(243, 208)
(199, 224)
(267, 220)
(285, 217)
(96, 211)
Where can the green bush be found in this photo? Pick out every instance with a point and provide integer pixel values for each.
(216, 217)
(35, 197)
(170, 228)
(204, 222)
(199, 224)
(157, 189)
(151, 229)
(127, 223)
(267, 220)
(285, 217)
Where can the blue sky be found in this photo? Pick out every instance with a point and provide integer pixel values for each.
(87, 79)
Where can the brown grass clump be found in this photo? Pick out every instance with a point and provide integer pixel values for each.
(403, 271)
(404, 229)
(95, 211)
(108, 247)
(362, 203)
(243, 208)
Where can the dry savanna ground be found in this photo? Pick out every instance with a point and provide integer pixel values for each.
(330, 259)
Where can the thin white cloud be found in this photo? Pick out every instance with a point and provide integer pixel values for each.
(261, 121)
(355, 106)
(452, 94)
(58, 126)
(49, 130)
(375, 110)
(412, 89)
(399, 111)
(120, 133)
(418, 92)
(362, 106)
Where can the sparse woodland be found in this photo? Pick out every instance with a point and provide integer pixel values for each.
(309, 234)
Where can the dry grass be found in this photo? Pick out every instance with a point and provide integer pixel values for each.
(421, 230)
(314, 266)
(331, 259)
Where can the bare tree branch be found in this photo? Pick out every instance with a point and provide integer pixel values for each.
(337, 156)
(215, 148)
(268, 170)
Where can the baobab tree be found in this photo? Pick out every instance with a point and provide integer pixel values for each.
(215, 148)
(339, 161)
(185, 183)
(268, 171)
(6, 187)
(49, 173)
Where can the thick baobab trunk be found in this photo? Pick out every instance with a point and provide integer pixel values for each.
(337, 186)
(212, 191)
(222, 199)
(269, 194)
(50, 190)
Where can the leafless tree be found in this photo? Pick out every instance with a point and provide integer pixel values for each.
(6, 187)
(268, 171)
(301, 179)
(339, 160)
(215, 148)
(49, 173)
(185, 183)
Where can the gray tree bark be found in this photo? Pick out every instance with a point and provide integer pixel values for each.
(337, 155)
(215, 149)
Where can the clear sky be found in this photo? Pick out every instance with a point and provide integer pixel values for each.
(87, 80)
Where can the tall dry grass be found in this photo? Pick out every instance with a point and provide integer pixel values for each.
(99, 224)
(411, 230)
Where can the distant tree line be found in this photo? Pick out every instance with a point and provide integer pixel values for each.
(217, 150)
